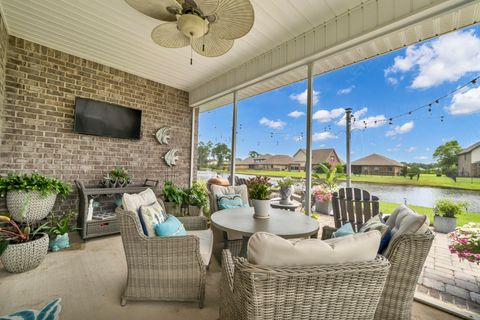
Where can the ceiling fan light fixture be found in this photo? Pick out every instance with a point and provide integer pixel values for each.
(192, 26)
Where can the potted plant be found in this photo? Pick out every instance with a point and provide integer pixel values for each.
(259, 190)
(22, 246)
(286, 190)
(446, 212)
(323, 191)
(116, 178)
(59, 226)
(465, 242)
(31, 197)
(197, 198)
(173, 197)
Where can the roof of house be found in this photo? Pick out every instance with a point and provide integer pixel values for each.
(470, 148)
(320, 155)
(376, 160)
(268, 159)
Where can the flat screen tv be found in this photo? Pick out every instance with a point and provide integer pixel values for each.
(106, 119)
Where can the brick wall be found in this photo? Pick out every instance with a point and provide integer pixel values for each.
(41, 85)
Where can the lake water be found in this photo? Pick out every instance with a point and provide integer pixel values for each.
(422, 196)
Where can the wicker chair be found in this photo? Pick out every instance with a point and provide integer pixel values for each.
(221, 240)
(407, 256)
(162, 268)
(345, 291)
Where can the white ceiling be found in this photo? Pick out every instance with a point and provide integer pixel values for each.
(112, 33)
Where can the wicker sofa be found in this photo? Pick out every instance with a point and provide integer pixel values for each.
(343, 291)
(163, 268)
(407, 255)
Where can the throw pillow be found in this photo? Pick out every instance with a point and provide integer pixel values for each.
(344, 230)
(230, 201)
(271, 250)
(133, 202)
(376, 223)
(405, 221)
(172, 227)
(151, 215)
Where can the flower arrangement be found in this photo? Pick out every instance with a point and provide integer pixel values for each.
(324, 192)
(465, 242)
(259, 188)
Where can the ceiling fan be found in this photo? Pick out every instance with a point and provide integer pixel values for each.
(208, 26)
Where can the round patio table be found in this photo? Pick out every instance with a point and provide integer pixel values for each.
(282, 223)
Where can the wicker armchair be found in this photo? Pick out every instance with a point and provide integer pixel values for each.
(221, 239)
(407, 256)
(162, 268)
(346, 291)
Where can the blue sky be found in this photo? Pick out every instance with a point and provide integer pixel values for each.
(274, 122)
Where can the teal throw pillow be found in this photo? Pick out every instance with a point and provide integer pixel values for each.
(171, 227)
(344, 230)
(230, 201)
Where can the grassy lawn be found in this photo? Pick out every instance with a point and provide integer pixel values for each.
(429, 180)
(389, 207)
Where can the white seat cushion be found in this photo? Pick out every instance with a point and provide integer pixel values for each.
(403, 221)
(206, 243)
(271, 250)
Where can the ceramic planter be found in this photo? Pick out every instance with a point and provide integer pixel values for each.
(60, 242)
(286, 194)
(324, 207)
(25, 256)
(261, 209)
(195, 211)
(35, 205)
(444, 224)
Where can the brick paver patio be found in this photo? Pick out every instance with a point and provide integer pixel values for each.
(445, 277)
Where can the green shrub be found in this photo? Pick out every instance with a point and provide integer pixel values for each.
(449, 209)
(34, 182)
(172, 193)
(197, 195)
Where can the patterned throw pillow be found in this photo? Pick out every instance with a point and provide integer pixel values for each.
(172, 227)
(152, 215)
(376, 223)
(230, 201)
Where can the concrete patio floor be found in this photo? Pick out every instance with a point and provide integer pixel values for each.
(90, 281)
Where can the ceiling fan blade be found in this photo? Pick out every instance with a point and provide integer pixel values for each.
(211, 46)
(156, 9)
(234, 19)
(167, 35)
(208, 7)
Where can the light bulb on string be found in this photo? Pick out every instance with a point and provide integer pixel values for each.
(441, 118)
(390, 121)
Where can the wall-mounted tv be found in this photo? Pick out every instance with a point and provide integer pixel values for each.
(105, 119)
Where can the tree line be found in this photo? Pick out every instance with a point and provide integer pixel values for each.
(213, 155)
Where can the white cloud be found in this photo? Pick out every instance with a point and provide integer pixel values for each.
(302, 97)
(296, 114)
(328, 115)
(322, 136)
(404, 128)
(298, 138)
(421, 158)
(272, 124)
(346, 90)
(410, 150)
(392, 80)
(359, 123)
(395, 149)
(446, 58)
(466, 102)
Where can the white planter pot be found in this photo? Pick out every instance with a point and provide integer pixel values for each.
(25, 256)
(261, 209)
(324, 207)
(36, 205)
(286, 194)
(444, 224)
